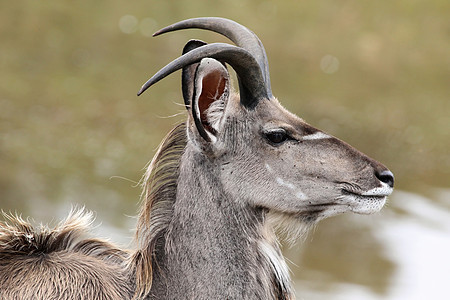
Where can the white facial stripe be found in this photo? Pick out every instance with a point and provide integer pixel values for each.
(316, 136)
(298, 193)
(284, 183)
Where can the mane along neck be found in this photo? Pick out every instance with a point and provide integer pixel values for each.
(159, 193)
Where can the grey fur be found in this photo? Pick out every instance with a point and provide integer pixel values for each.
(218, 187)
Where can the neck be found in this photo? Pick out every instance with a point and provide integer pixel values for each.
(215, 246)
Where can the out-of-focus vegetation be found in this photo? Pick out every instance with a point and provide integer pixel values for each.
(373, 73)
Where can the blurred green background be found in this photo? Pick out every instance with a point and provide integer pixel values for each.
(72, 131)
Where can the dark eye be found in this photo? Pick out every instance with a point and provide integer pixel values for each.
(276, 137)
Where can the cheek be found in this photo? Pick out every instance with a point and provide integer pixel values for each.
(274, 181)
(272, 188)
(291, 188)
(286, 180)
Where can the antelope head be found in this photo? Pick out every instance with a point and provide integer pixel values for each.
(265, 156)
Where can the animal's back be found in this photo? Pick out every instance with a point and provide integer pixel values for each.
(38, 263)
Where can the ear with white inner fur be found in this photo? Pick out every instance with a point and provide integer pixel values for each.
(211, 93)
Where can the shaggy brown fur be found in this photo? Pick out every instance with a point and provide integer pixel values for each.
(62, 263)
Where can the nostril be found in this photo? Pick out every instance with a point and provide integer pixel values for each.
(387, 177)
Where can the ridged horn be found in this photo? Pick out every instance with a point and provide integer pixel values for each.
(239, 34)
(251, 81)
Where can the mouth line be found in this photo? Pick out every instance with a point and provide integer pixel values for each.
(362, 195)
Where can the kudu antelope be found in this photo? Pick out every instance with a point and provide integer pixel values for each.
(240, 166)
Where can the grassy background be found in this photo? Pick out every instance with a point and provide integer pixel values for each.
(373, 73)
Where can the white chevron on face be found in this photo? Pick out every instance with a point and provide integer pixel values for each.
(316, 136)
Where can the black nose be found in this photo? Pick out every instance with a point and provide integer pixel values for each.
(386, 176)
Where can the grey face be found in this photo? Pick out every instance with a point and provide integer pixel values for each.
(282, 163)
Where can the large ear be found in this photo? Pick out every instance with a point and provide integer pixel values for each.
(210, 96)
(187, 75)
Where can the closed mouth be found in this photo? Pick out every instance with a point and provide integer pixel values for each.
(351, 199)
(381, 191)
(368, 202)
(364, 195)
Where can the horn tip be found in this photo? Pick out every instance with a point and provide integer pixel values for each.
(145, 86)
(161, 31)
(141, 91)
